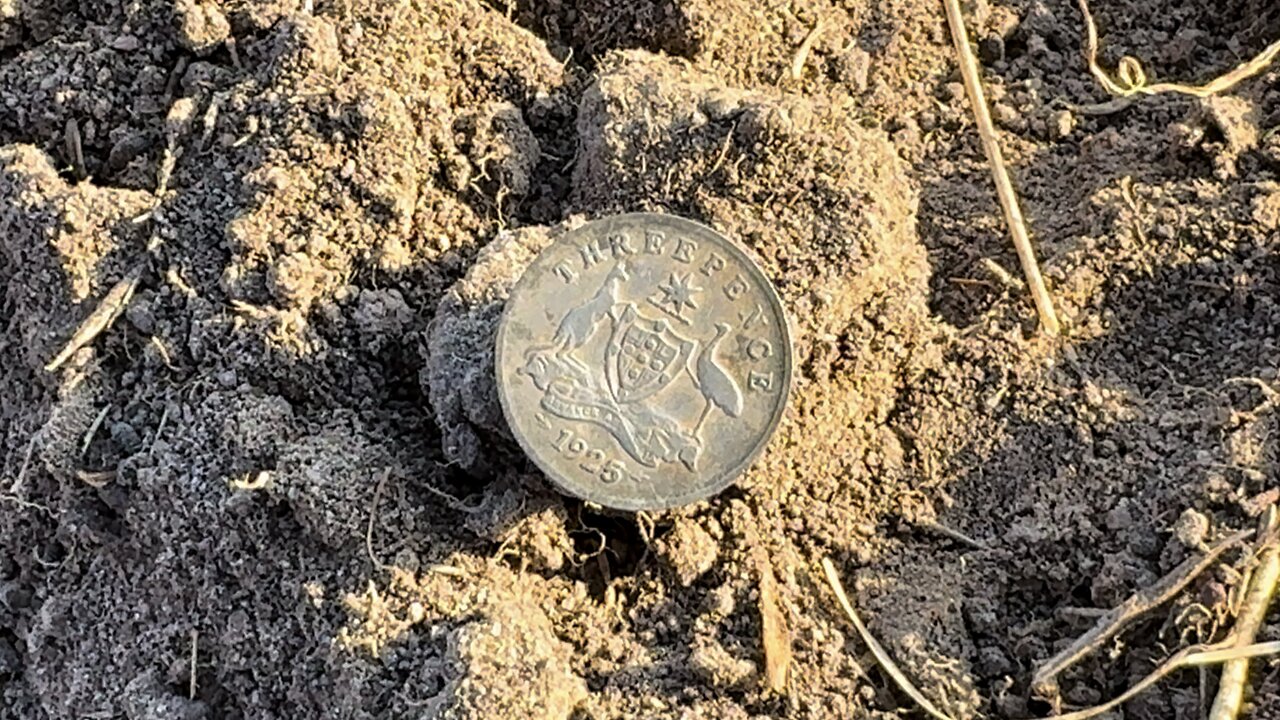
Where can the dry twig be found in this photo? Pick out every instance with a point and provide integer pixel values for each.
(26, 504)
(1004, 186)
(877, 650)
(26, 464)
(195, 641)
(997, 271)
(1131, 79)
(802, 52)
(1194, 656)
(1043, 683)
(940, 529)
(373, 516)
(101, 318)
(92, 432)
(95, 478)
(776, 638)
(1235, 673)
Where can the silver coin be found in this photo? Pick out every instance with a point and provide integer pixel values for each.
(643, 361)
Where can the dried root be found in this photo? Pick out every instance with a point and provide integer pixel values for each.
(776, 638)
(1194, 656)
(1235, 673)
(1130, 79)
(1044, 682)
(114, 303)
(877, 650)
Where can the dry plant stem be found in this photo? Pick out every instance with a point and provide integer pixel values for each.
(75, 149)
(92, 432)
(95, 479)
(195, 641)
(101, 318)
(775, 636)
(802, 53)
(943, 530)
(1235, 673)
(26, 464)
(373, 516)
(164, 419)
(1136, 605)
(881, 655)
(1194, 656)
(1004, 186)
(1132, 80)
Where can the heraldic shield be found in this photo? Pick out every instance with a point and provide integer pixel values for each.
(643, 356)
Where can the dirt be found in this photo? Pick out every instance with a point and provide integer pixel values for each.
(279, 484)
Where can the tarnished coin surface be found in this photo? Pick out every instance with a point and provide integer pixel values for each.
(643, 361)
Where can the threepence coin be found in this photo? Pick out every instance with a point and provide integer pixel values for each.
(643, 361)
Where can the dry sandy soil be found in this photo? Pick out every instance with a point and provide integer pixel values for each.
(278, 485)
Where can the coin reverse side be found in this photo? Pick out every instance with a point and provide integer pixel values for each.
(643, 361)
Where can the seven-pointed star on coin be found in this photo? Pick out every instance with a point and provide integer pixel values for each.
(678, 293)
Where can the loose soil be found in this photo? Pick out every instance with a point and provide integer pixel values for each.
(279, 486)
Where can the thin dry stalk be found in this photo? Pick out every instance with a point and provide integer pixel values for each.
(92, 432)
(802, 52)
(1235, 673)
(164, 420)
(1004, 186)
(453, 501)
(164, 173)
(877, 650)
(195, 643)
(75, 148)
(940, 529)
(1194, 656)
(26, 504)
(997, 271)
(26, 465)
(775, 636)
(95, 478)
(1044, 680)
(447, 570)
(1131, 79)
(100, 319)
(373, 516)
(164, 353)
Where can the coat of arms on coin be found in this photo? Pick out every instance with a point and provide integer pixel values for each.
(643, 361)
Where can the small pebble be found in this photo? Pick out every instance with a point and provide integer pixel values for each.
(123, 435)
(202, 26)
(1119, 518)
(854, 69)
(1061, 124)
(180, 116)
(1004, 115)
(1191, 528)
(125, 43)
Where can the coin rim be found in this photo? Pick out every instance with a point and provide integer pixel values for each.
(729, 477)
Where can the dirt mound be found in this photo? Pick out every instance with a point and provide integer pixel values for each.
(278, 483)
